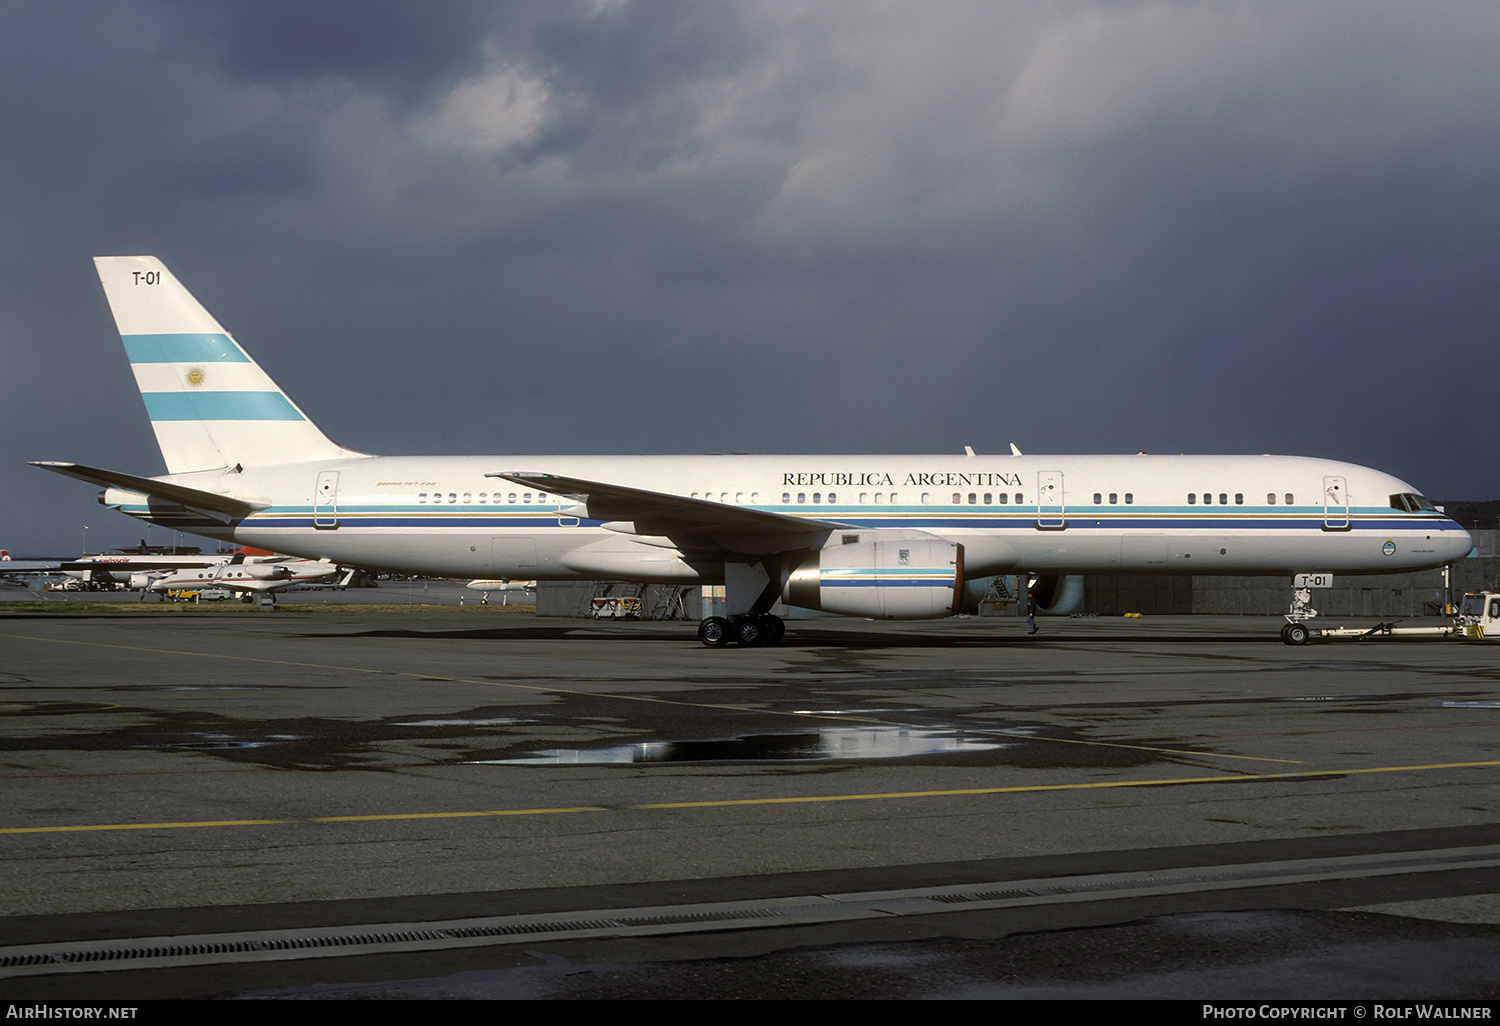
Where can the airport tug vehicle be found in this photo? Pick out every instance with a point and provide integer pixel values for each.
(1477, 619)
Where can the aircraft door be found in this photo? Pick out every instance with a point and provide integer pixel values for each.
(513, 557)
(1335, 504)
(326, 500)
(1049, 501)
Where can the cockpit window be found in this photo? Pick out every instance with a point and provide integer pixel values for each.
(1409, 502)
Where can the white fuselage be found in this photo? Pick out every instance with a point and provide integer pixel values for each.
(1041, 514)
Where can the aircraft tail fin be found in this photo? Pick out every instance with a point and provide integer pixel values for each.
(210, 404)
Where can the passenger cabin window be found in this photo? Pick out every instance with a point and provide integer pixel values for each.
(1288, 498)
(1270, 498)
(1004, 498)
(878, 498)
(1239, 498)
(1223, 498)
(801, 498)
(786, 497)
(1114, 498)
(957, 498)
(1129, 498)
(989, 498)
(1192, 498)
(833, 497)
(1098, 498)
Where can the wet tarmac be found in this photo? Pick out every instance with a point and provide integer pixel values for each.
(209, 771)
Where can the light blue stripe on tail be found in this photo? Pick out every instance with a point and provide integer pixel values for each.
(219, 406)
(183, 348)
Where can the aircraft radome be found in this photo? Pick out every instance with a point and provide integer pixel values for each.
(895, 537)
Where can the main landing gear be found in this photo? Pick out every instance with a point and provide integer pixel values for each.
(753, 629)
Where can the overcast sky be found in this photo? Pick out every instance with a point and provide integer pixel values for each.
(696, 226)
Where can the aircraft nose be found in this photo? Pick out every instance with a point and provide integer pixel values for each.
(1456, 543)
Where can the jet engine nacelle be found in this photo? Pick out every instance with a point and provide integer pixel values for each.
(1056, 595)
(898, 579)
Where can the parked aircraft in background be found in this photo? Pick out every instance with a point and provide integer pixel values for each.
(109, 569)
(504, 588)
(896, 537)
(247, 569)
(257, 572)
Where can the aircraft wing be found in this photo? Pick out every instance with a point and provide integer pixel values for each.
(193, 498)
(691, 523)
(31, 566)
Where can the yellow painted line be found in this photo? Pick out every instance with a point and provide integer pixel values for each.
(1097, 785)
(551, 689)
(81, 828)
(730, 802)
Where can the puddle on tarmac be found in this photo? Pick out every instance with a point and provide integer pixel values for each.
(498, 721)
(195, 687)
(216, 742)
(826, 743)
(1327, 698)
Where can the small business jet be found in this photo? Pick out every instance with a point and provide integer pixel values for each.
(503, 588)
(252, 572)
(892, 537)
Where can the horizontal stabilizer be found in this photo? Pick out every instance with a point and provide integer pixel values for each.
(193, 498)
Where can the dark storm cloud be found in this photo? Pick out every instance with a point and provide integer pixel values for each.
(652, 225)
(401, 49)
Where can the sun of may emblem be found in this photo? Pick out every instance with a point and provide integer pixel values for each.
(195, 376)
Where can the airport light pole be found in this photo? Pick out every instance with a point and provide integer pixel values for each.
(85, 540)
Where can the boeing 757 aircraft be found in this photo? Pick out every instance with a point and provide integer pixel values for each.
(894, 537)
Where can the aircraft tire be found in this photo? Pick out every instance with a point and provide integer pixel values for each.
(1296, 634)
(772, 630)
(748, 631)
(714, 632)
